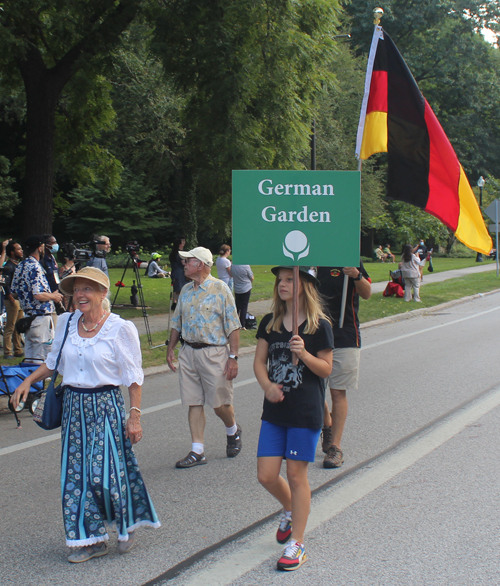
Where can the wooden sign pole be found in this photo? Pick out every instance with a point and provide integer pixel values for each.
(295, 309)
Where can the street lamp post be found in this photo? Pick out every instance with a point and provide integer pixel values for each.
(480, 184)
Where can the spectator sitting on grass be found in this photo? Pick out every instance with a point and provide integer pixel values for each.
(154, 270)
(388, 253)
(380, 254)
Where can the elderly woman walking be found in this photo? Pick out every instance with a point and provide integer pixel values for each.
(100, 479)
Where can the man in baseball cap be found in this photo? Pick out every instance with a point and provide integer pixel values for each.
(206, 318)
(200, 253)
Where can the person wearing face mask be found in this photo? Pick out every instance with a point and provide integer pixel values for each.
(32, 288)
(49, 262)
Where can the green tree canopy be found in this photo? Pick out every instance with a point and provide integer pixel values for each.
(47, 42)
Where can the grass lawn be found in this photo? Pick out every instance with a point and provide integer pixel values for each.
(379, 271)
(157, 291)
(432, 294)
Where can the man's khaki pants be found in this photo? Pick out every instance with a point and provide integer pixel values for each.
(10, 335)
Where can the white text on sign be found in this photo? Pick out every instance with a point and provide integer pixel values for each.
(266, 188)
(269, 214)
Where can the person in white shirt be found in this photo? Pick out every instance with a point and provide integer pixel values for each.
(410, 266)
(223, 265)
(242, 277)
(101, 352)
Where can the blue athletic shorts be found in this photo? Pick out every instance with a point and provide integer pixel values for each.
(294, 443)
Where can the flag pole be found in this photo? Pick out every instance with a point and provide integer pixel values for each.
(295, 309)
(346, 281)
(377, 15)
(377, 34)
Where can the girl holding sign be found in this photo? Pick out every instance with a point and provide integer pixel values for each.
(293, 403)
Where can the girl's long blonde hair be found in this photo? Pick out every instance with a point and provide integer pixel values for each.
(312, 303)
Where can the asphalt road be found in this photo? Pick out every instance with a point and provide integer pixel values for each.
(415, 503)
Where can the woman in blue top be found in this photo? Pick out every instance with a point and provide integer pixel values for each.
(294, 401)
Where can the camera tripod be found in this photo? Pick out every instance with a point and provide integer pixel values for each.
(138, 290)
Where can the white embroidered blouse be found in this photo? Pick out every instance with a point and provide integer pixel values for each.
(111, 357)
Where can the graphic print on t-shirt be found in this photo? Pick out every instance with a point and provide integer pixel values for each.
(281, 370)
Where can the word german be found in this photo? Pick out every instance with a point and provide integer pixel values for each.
(266, 187)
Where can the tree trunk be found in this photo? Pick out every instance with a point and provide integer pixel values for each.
(39, 181)
(450, 241)
(42, 93)
(43, 87)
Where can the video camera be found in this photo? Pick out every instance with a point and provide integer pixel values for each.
(132, 246)
(82, 251)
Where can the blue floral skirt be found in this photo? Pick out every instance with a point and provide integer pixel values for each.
(100, 479)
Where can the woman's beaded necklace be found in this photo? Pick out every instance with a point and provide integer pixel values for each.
(97, 324)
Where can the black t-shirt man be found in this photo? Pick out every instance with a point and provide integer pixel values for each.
(421, 250)
(9, 269)
(304, 391)
(49, 263)
(331, 286)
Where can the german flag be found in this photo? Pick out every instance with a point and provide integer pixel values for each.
(423, 168)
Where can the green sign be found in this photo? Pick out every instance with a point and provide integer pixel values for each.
(305, 218)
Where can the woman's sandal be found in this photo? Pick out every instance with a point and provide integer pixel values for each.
(87, 552)
(124, 546)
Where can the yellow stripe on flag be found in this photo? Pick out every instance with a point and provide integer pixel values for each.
(471, 229)
(374, 135)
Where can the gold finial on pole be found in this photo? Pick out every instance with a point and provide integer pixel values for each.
(378, 13)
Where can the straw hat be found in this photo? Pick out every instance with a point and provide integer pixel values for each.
(89, 273)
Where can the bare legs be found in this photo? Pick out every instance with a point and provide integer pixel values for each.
(226, 413)
(294, 495)
(336, 420)
(197, 420)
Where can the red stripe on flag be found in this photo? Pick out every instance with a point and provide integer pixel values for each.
(377, 101)
(444, 174)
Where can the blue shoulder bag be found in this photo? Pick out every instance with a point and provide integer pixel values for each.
(48, 412)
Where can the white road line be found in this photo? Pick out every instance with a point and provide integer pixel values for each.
(335, 500)
(56, 436)
(424, 331)
(161, 407)
(30, 444)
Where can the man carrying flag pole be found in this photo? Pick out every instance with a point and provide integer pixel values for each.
(423, 168)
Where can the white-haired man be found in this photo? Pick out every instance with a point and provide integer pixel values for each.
(207, 320)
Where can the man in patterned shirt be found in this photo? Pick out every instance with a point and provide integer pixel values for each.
(206, 318)
(36, 299)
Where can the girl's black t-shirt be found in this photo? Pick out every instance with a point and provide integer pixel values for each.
(304, 391)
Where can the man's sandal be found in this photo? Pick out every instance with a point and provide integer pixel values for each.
(192, 459)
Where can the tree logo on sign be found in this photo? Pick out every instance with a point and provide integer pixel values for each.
(296, 243)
